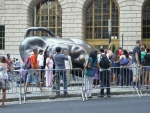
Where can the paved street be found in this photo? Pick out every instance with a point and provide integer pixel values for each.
(107, 105)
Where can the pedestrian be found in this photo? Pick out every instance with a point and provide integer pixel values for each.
(9, 63)
(4, 84)
(120, 51)
(104, 64)
(147, 74)
(142, 74)
(130, 67)
(49, 71)
(124, 71)
(68, 65)
(41, 62)
(91, 63)
(17, 64)
(96, 79)
(60, 68)
(136, 62)
(33, 74)
(116, 59)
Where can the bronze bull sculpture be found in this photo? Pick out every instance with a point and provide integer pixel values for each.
(78, 49)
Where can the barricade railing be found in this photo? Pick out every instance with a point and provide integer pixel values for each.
(70, 79)
(145, 78)
(123, 78)
(15, 91)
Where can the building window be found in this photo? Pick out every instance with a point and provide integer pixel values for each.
(2, 37)
(97, 15)
(49, 15)
(146, 20)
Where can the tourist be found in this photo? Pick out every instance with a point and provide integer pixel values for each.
(4, 85)
(33, 74)
(124, 71)
(41, 61)
(136, 62)
(130, 67)
(147, 61)
(104, 64)
(68, 65)
(17, 64)
(116, 59)
(91, 63)
(9, 63)
(120, 51)
(60, 68)
(49, 71)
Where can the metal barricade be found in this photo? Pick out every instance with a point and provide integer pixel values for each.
(118, 78)
(70, 79)
(145, 79)
(15, 91)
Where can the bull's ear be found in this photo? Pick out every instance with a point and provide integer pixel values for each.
(29, 43)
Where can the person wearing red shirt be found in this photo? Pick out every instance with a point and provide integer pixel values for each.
(33, 75)
(120, 51)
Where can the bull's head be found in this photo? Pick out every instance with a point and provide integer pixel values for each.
(78, 49)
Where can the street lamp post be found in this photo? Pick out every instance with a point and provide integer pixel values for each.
(109, 31)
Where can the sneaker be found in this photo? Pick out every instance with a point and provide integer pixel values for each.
(57, 95)
(89, 97)
(101, 96)
(66, 93)
(109, 96)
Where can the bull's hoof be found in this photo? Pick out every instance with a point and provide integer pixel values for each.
(52, 97)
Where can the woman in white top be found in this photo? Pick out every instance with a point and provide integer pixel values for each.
(4, 85)
(68, 65)
(49, 73)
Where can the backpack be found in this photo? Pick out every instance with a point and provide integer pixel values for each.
(27, 62)
(104, 62)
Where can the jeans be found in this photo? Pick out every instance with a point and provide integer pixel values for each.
(131, 76)
(124, 73)
(62, 74)
(32, 78)
(9, 76)
(105, 81)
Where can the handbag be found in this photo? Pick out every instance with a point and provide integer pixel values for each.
(124, 61)
(1, 75)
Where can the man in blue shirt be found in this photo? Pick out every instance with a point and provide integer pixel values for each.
(136, 62)
(59, 60)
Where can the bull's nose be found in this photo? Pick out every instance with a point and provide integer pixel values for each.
(82, 58)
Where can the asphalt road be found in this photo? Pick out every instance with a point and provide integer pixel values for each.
(108, 105)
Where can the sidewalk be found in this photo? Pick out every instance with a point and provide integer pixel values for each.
(73, 91)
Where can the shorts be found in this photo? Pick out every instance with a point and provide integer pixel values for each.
(117, 69)
(31, 78)
(148, 68)
(42, 67)
(136, 71)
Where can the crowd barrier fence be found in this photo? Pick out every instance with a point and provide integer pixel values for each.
(114, 77)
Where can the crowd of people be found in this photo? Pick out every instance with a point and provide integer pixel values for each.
(124, 68)
(103, 68)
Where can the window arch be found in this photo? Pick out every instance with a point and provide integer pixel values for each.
(146, 20)
(97, 15)
(49, 15)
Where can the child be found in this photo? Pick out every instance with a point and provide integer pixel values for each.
(96, 78)
(21, 76)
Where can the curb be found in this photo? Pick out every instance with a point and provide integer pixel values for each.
(76, 95)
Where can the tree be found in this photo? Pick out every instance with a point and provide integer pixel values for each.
(113, 48)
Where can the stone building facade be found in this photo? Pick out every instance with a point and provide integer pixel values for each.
(16, 16)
